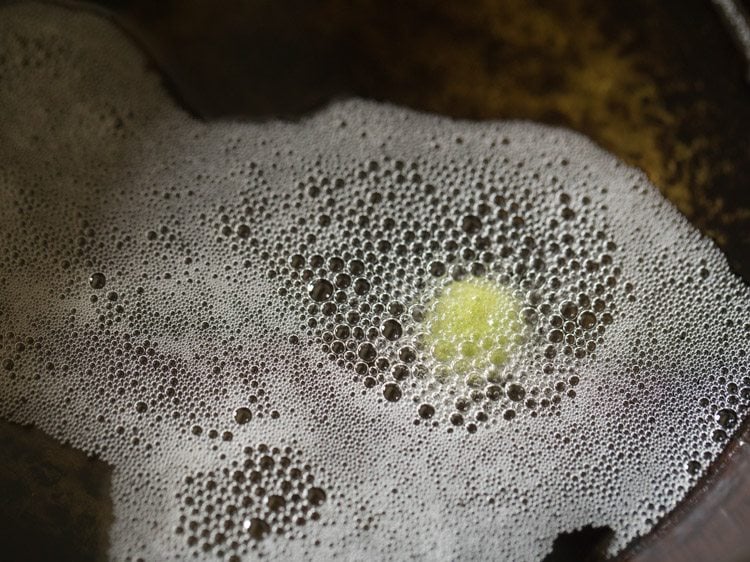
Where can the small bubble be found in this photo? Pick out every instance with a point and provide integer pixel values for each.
(336, 264)
(367, 352)
(276, 502)
(400, 371)
(426, 411)
(587, 320)
(407, 355)
(342, 280)
(243, 231)
(316, 496)
(719, 435)
(395, 308)
(494, 392)
(437, 269)
(321, 290)
(97, 280)
(242, 415)
(266, 462)
(392, 329)
(726, 418)
(555, 336)
(515, 392)
(569, 310)
(392, 392)
(257, 528)
(471, 224)
(361, 286)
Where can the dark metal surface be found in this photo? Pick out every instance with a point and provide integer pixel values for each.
(54, 500)
(737, 23)
(713, 523)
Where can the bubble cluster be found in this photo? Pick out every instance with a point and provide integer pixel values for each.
(377, 244)
(369, 334)
(270, 491)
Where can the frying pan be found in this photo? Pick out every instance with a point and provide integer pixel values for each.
(661, 85)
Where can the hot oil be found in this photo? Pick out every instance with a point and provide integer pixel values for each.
(261, 326)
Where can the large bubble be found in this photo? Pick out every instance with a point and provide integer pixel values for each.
(374, 333)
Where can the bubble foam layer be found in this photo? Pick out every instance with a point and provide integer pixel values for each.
(371, 334)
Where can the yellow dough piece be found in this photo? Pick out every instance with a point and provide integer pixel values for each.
(474, 323)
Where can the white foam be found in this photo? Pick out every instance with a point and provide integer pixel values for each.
(101, 172)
